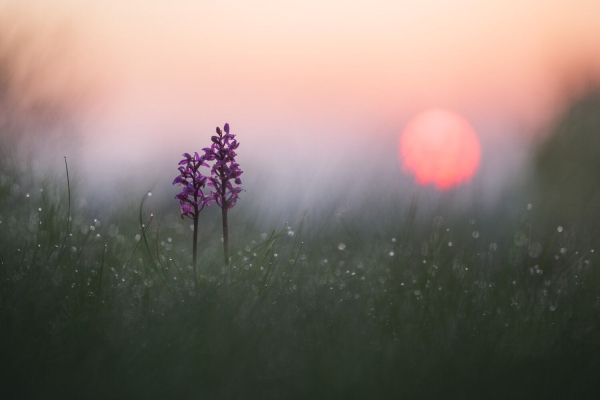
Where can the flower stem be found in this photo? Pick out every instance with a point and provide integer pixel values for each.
(225, 234)
(195, 246)
(224, 208)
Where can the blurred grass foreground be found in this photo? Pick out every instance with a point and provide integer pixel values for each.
(442, 307)
(413, 304)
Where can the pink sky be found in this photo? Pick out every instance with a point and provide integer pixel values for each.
(325, 59)
(316, 71)
(368, 62)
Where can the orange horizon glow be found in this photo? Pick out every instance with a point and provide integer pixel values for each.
(439, 147)
(299, 74)
(147, 78)
(327, 60)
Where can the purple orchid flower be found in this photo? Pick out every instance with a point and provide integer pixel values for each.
(224, 176)
(225, 172)
(192, 199)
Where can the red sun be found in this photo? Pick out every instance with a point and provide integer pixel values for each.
(439, 147)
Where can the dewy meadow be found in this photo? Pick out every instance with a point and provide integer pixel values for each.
(445, 246)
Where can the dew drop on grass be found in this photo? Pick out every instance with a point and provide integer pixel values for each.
(290, 232)
(391, 253)
(475, 234)
(393, 240)
(449, 244)
(493, 247)
(149, 194)
(529, 207)
(113, 230)
(559, 229)
(535, 250)
(341, 246)
(520, 238)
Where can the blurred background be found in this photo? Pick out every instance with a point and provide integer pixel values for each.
(421, 214)
(318, 92)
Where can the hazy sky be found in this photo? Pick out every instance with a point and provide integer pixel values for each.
(322, 59)
(308, 74)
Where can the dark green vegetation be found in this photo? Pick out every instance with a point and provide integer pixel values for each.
(438, 306)
(568, 163)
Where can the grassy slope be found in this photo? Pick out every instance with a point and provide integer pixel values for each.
(295, 316)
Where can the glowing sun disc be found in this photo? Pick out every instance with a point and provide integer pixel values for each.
(439, 147)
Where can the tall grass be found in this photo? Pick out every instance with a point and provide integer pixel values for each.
(107, 307)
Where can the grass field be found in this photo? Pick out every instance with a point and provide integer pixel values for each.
(415, 306)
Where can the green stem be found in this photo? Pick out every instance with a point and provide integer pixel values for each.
(195, 247)
(225, 232)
